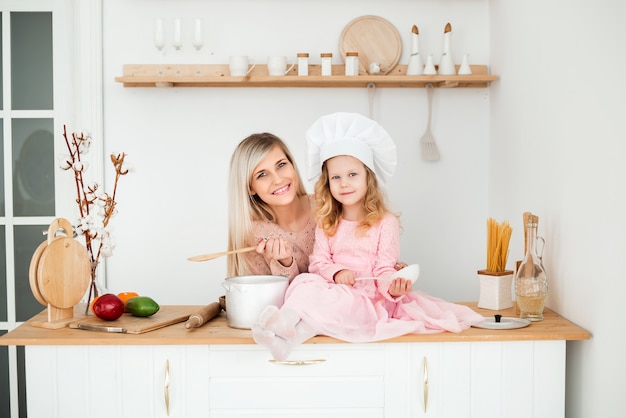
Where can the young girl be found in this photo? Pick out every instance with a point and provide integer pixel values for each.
(268, 207)
(356, 237)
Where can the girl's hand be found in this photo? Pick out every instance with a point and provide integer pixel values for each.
(400, 265)
(344, 277)
(276, 249)
(400, 287)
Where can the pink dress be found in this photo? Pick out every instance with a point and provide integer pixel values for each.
(366, 311)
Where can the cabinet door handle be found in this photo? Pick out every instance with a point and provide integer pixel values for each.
(298, 362)
(166, 387)
(425, 384)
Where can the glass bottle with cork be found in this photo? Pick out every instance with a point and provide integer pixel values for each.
(531, 283)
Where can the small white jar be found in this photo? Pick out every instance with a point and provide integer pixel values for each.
(327, 63)
(352, 63)
(303, 63)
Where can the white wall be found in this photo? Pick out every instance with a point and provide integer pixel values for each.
(545, 138)
(558, 149)
(180, 140)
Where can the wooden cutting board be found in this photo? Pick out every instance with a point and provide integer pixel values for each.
(59, 273)
(375, 39)
(167, 315)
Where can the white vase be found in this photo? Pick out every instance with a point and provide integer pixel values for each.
(465, 69)
(446, 65)
(429, 68)
(416, 66)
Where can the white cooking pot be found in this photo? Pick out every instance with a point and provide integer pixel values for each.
(247, 296)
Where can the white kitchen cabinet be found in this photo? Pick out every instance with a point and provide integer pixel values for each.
(330, 380)
(218, 372)
(478, 379)
(524, 379)
(117, 381)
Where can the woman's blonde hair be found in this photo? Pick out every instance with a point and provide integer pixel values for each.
(244, 208)
(328, 209)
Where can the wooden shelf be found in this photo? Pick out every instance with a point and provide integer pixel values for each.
(216, 75)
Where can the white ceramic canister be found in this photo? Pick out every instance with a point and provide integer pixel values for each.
(495, 290)
(247, 296)
(327, 63)
(352, 63)
(303, 64)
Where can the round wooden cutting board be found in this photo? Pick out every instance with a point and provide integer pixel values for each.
(63, 272)
(58, 226)
(375, 39)
(32, 273)
(62, 267)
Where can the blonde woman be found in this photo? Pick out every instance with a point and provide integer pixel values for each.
(268, 207)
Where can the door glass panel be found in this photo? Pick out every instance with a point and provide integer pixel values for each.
(21, 381)
(1, 83)
(31, 60)
(5, 406)
(3, 277)
(33, 173)
(27, 239)
(2, 200)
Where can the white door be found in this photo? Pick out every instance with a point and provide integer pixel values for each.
(42, 74)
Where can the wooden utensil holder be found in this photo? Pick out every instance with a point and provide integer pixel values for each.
(495, 289)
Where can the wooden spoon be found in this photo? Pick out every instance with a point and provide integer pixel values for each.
(207, 257)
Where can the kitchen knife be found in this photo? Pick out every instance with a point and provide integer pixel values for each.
(103, 328)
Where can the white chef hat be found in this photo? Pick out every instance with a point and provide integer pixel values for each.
(350, 134)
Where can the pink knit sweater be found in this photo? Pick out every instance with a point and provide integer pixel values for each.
(301, 242)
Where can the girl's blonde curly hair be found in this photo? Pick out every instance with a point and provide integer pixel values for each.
(328, 210)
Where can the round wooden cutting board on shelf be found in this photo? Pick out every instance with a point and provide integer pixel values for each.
(375, 39)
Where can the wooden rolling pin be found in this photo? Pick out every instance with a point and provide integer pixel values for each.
(203, 316)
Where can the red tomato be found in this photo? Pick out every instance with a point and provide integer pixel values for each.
(108, 307)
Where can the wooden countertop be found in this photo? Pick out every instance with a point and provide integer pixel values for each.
(553, 327)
